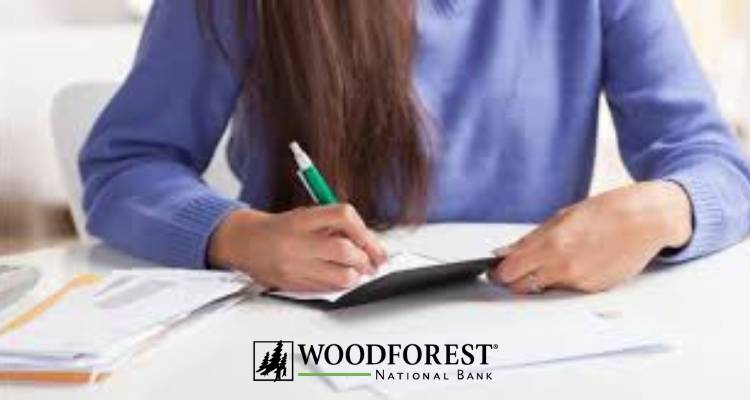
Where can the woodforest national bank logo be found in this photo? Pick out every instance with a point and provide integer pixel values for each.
(273, 361)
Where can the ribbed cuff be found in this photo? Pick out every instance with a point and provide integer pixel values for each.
(192, 227)
(708, 217)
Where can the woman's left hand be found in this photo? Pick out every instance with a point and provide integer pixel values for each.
(600, 242)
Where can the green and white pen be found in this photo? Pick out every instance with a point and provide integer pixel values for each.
(312, 178)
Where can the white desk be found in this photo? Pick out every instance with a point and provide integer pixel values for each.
(703, 305)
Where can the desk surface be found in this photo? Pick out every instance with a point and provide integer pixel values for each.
(702, 305)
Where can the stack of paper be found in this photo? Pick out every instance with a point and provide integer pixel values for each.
(85, 330)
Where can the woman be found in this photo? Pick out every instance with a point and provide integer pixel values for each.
(429, 110)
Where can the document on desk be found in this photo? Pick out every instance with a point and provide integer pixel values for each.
(94, 322)
(123, 304)
(522, 340)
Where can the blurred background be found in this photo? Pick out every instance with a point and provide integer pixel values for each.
(48, 45)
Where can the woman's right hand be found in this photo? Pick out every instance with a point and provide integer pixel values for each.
(307, 249)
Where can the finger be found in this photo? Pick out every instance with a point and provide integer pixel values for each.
(522, 257)
(519, 263)
(572, 274)
(534, 283)
(330, 276)
(300, 285)
(345, 219)
(591, 286)
(342, 251)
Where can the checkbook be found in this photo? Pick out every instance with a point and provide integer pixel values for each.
(404, 272)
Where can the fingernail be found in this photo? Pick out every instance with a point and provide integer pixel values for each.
(381, 258)
(504, 250)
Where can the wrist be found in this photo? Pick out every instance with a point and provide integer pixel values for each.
(229, 234)
(673, 213)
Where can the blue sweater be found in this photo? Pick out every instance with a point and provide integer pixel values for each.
(514, 88)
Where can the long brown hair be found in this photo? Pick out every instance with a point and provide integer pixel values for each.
(335, 75)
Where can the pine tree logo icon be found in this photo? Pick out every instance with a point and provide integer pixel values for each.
(273, 361)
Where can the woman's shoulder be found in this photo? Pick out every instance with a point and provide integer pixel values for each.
(213, 25)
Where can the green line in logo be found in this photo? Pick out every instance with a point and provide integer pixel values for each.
(334, 374)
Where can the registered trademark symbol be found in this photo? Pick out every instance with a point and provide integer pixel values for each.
(495, 346)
